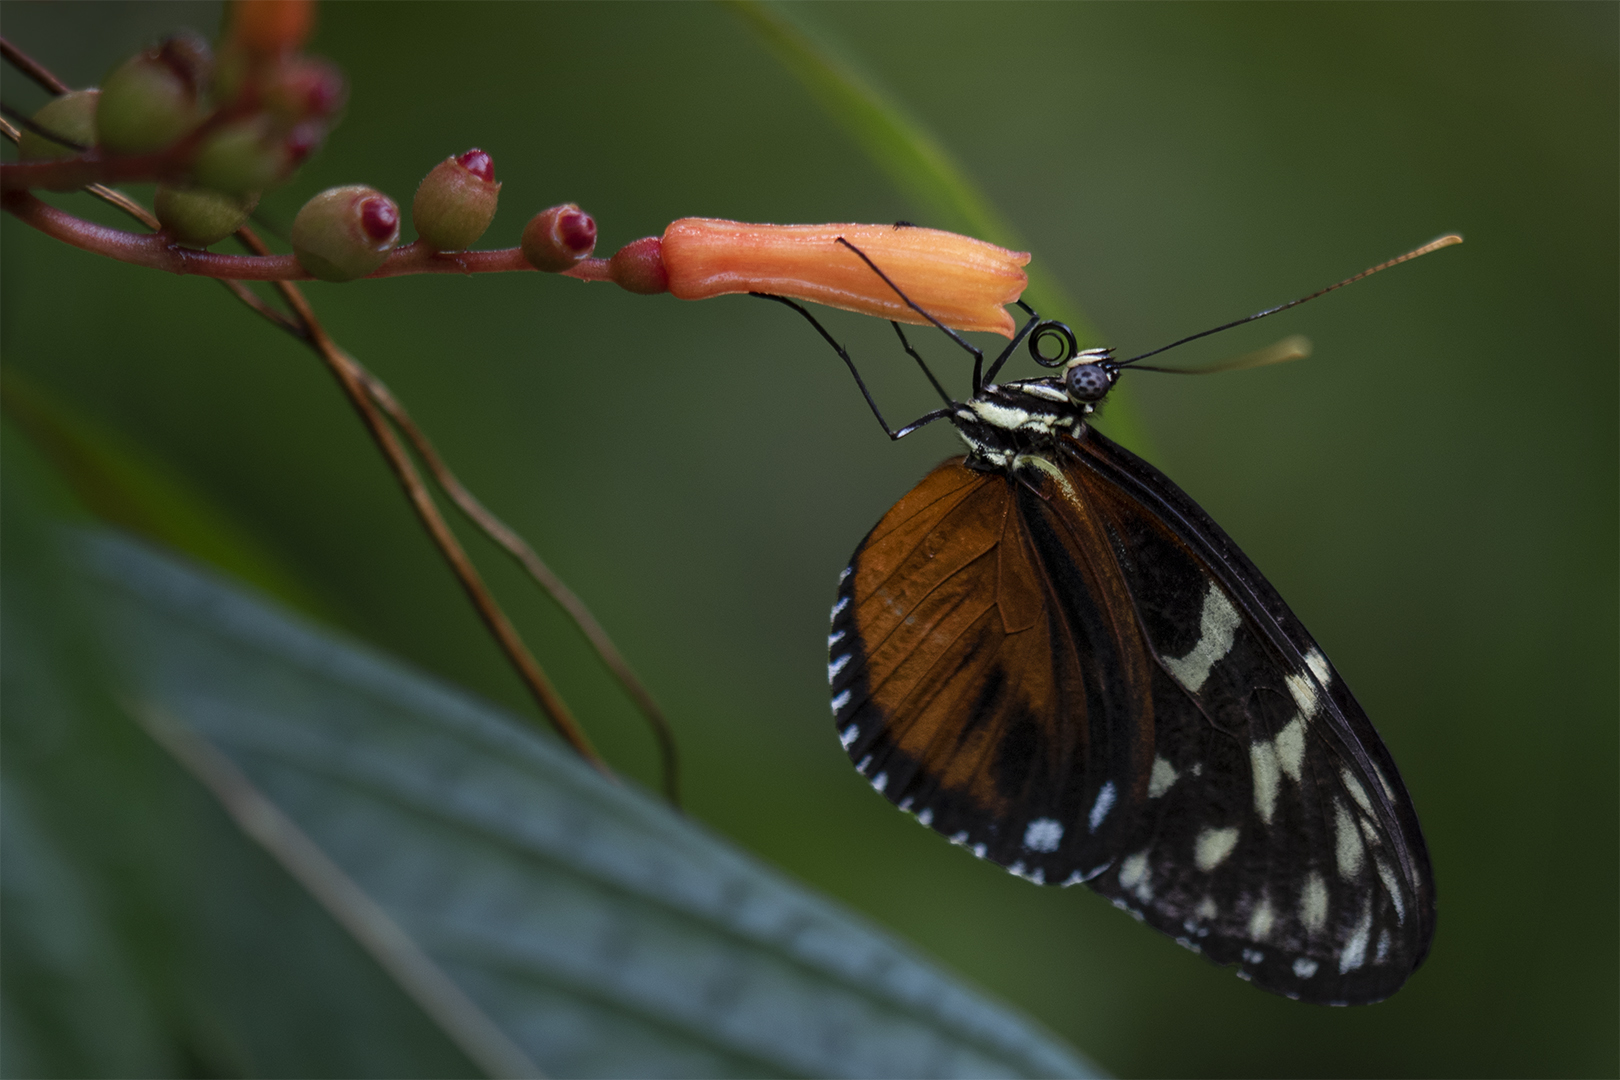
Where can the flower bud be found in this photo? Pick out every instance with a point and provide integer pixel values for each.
(301, 87)
(638, 267)
(198, 217)
(455, 202)
(556, 239)
(189, 56)
(270, 27)
(960, 281)
(252, 155)
(345, 232)
(72, 116)
(151, 100)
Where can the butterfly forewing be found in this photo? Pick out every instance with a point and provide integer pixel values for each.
(1068, 668)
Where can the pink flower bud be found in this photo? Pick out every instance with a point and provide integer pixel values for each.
(456, 201)
(638, 267)
(345, 232)
(479, 164)
(556, 239)
(379, 219)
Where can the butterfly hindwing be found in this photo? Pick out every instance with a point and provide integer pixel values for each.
(1278, 837)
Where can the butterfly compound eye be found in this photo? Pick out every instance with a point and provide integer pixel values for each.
(1088, 382)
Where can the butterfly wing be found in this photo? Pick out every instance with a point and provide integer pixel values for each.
(1278, 834)
(1072, 672)
(968, 698)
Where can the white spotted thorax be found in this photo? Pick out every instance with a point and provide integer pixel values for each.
(1003, 421)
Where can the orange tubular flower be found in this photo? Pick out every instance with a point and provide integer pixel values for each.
(270, 27)
(960, 281)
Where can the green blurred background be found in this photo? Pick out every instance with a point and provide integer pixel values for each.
(1434, 492)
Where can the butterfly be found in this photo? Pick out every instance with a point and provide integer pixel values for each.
(1050, 654)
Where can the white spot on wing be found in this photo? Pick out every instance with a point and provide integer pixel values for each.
(1291, 748)
(1215, 629)
(1355, 950)
(1392, 885)
(836, 666)
(866, 763)
(1261, 920)
(843, 602)
(1100, 808)
(1163, 778)
(979, 850)
(844, 573)
(1133, 875)
(1348, 849)
(926, 817)
(1043, 834)
(1313, 904)
(850, 734)
(834, 638)
(880, 781)
(1303, 691)
(1207, 909)
(1305, 967)
(1382, 782)
(1267, 778)
(1357, 792)
(1383, 947)
(839, 700)
(1075, 878)
(1319, 666)
(1213, 846)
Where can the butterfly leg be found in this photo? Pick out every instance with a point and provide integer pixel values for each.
(921, 421)
(915, 355)
(978, 356)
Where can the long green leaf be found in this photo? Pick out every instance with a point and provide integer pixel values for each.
(605, 935)
(143, 935)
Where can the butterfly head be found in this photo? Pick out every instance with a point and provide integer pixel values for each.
(1089, 376)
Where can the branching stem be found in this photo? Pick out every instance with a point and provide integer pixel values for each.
(156, 251)
(368, 395)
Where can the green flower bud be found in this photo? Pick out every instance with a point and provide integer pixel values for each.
(72, 116)
(345, 232)
(151, 100)
(199, 217)
(246, 155)
(455, 202)
(557, 238)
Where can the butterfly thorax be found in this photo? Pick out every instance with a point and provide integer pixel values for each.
(1002, 422)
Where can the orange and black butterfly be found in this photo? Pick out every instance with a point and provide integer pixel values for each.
(1049, 654)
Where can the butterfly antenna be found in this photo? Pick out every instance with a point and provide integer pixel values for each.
(1293, 347)
(1433, 245)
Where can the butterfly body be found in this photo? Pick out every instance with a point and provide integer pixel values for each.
(1050, 654)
